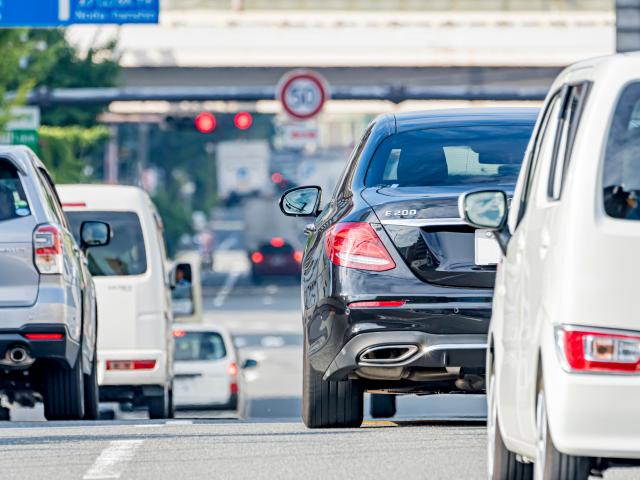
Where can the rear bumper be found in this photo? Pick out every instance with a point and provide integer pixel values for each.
(64, 350)
(424, 354)
(159, 375)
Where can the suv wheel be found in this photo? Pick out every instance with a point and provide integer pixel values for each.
(502, 463)
(383, 406)
(64, 391)
(550, 463)
(330, 404)
(91, 392)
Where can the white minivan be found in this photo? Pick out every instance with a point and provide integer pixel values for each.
(563, 365)
(135, 343)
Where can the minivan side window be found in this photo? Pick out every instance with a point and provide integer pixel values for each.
(621, 167)
(13, 201)
(572, 108)
(543, 144)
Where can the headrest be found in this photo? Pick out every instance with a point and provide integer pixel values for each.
(422, 166)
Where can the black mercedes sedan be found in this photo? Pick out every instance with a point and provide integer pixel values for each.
(396, 288)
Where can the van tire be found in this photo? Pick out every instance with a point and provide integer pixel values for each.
(382, 406)
(328, 404)
(159, 406)
(91, 392)
(64, 391)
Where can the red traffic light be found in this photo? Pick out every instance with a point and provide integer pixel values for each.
(206, 122)
(243, 120)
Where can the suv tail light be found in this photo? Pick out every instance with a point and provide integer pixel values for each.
(357, 245)
(590, 350)
(47, 246)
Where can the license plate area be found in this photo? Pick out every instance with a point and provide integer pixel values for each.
(487, 248)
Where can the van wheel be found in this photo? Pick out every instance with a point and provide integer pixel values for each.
(550, 463)
(159, 405)
(91, 392)
(330, 404)
(502, 463)
(64, 391)
(382, 406)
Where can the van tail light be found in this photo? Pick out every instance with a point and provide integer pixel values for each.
(357, 245)
(232, 371)
(584, 349)
(47, 247)
(131, 364)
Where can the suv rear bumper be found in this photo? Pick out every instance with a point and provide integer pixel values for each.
(65, 349)
(413, 351)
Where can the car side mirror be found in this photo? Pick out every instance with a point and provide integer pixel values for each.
(487, 209)
(301, 201)
(249, 363)
(94, 234)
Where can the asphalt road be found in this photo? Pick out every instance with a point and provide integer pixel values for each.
(431, 437)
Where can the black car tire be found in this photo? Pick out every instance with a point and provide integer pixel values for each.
(328, 404)
(382, 405)
(91, 391)
(159, 405)
(556, 465)
(64, 391)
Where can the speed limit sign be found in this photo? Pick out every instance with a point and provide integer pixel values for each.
(302, 93)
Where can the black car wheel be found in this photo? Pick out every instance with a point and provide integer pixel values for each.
(160, 405)
(383, 406)
(64, 391)
(327, 404)
(550, 463)
(91, 392)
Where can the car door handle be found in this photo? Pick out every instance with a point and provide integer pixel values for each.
(309, 229)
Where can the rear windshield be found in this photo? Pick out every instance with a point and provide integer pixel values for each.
(13, 201)
(621, 170)
(194, 346)
(125, 254)
(450, 156)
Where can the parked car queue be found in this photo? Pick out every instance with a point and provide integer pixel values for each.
(399, 268)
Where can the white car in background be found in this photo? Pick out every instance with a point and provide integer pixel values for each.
(208, 373)
(135, 344)
(563, 366)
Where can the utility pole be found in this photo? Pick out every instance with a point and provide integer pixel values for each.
(111, 158)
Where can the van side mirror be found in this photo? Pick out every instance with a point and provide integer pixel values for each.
(487, 209)
(94, 234)
(181, 284)
(301, 201)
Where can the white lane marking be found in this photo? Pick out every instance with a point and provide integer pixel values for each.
(112, 460)
(227, 243)
(179, 422)
(224, 292)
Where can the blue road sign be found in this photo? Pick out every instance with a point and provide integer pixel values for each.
(52, 13)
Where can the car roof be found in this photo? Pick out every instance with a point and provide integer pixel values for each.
(102, 197)
(21, 156)
(408, 121)
(202, 327)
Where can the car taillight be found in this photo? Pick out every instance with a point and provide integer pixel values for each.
(257, 257)
(277, 242)
(357, 245)
(590, 350)
(232, 370)
(297, 256)
(44, 336)
(179, 333)
(47, 246)
(131, 364)
(378, 304)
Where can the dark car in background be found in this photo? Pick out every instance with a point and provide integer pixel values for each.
(276, 258)
(396, 288)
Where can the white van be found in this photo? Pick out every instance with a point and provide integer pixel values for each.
(135, 343)
(563, 365)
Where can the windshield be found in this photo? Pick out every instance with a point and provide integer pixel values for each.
(13, 201)
(621, 172)
(199, 346)
(125, 254)
(450, 156)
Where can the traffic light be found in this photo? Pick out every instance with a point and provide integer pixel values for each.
(243, 120)
(205, 122)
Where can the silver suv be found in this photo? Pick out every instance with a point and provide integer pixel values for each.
(48, 319)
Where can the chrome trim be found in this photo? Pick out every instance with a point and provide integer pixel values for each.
(411, 351)
(406, 359)
(423, 222)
